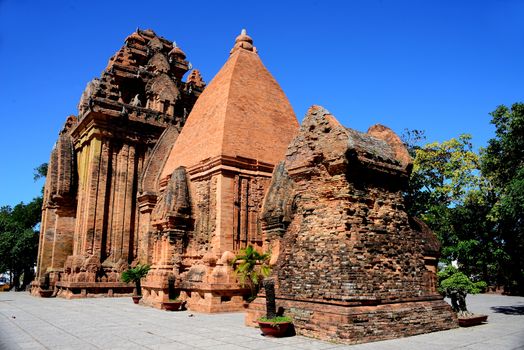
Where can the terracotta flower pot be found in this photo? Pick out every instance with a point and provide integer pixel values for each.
(172, 305)
(46, 293)
(136, 299)
(474, 320)
(274, 329)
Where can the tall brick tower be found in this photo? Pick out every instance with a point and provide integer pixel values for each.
(139, 97)
(214, 181)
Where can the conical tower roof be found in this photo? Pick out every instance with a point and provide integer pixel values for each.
(242, 113)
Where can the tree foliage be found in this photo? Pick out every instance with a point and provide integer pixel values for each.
(475, 204)
(19, 237)
(40, 171)
(443, 187)
(19, 240)
(442, 174)
(503, 165)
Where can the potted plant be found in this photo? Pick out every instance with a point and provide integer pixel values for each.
(273, 325)
(45, 291)
(135, 274)
(174, 303)
(456, 285)
(252, 267)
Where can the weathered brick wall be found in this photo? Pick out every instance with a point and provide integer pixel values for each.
(203, 196)
(58, 211)
(349, 243)
(351, 266)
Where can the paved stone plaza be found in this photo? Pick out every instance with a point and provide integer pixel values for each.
(116, 323)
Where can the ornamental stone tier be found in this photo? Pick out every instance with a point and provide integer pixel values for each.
(182, 176)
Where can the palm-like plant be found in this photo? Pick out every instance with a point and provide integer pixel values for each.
(135, 274)
(252, 267)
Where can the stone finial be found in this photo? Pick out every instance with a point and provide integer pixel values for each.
(135, 37)
(177, 53)
(69, 123)
(196, 79)
(243, 41)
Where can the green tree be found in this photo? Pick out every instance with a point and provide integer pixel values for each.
(448, 192)
(19, 240)
(475, 244)
(442, 176)
(503, 165)
(40, 171)
(446, 171)
(19, 237)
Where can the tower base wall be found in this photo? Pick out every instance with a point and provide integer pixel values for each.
(360, 324)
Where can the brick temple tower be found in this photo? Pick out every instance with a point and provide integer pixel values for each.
(160, 171)
(214, 181)
(91, 213)
(350, 264)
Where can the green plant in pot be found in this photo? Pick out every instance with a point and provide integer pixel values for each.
(45, 290)
(174, 303)
(135, 274)
(272, 324)
(252, 267)
(456, 286)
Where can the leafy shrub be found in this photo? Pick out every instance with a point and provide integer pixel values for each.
(252, 267)
(456, 285)
(135, 274)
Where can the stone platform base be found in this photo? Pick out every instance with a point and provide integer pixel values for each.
(212, 298)
(45, 286)
(76, 290)
(214, 301)
(154, 294)
(37, 290)
(361, 324)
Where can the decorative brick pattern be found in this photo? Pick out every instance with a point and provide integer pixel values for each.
(139, 97)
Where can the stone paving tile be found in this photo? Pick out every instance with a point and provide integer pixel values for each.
(203, 343)
(292, 340)
(119, 324)
(315, 345)
(172, 346)
(222, 347)
(234, 339)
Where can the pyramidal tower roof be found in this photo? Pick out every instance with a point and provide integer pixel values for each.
(242, 113)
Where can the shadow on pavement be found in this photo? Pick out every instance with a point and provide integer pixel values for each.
(509, 310)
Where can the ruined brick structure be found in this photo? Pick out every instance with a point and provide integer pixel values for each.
(349, 263)
(181, 176)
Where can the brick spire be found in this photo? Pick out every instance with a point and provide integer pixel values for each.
(243, 41)
(242, 113)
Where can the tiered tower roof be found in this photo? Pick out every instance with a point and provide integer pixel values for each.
(242, 113)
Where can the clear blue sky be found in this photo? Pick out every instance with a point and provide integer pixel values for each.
(439, 66)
